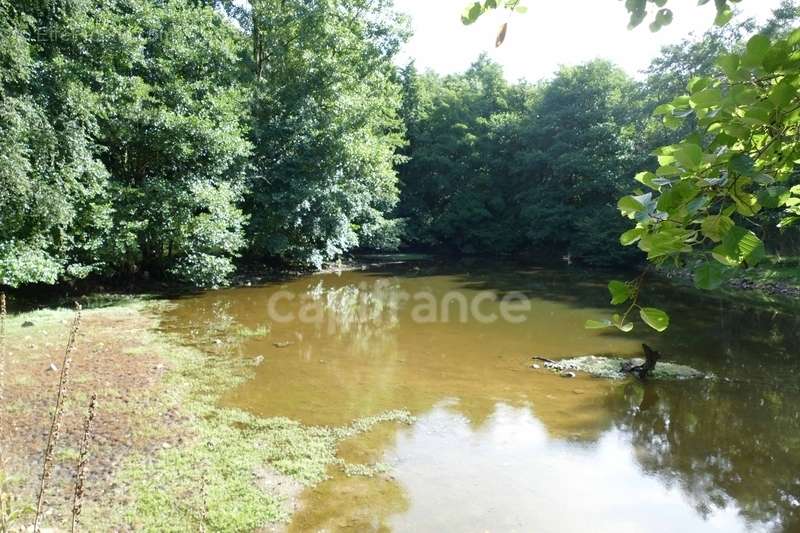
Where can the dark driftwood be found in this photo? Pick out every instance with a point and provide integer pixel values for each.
(643, 370)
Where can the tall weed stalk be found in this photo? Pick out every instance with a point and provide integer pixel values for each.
(58, 413)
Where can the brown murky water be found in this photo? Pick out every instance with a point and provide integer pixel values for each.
(499, 446)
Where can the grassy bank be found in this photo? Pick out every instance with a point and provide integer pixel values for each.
(165, 457)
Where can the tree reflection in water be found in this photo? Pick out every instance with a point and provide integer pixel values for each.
(721, 443)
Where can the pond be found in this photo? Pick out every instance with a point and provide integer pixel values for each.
(499, 445)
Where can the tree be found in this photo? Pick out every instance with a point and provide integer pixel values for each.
(576, 149)
(54, 212)
(497, 168)
(739, 160)
(171, 113)
(324, 126)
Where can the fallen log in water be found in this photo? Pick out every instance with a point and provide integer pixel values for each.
(617, 368)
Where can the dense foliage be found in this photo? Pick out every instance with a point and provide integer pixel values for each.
(325, 127)
(496, 168)
(733, 172)
(177, 138)
(169, 138)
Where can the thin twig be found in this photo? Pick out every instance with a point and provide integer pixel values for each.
(55, 426)
(80, 477)
(638, 283)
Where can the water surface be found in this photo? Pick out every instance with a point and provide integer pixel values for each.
(499, 446)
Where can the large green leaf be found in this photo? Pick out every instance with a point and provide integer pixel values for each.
(472, 13)
(739, 246)
(689, 155)
(757, 48)
(629, 206)
(729, 63)
(707, 98)
(783, 94)
(655, 318)
(631, 236)
(716, 226)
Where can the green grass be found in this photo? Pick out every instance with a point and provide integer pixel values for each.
(209, 481)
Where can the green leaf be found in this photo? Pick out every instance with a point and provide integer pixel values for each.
(742, 164)
(773, 197)
(625, 327)
(715, 227)
(729, 63)
(709, 276)
(794, 37)
(782, 94)
(689, 155)
(620, 292)
(647, 178)
(598, 324)
(724, 256)
(697, 84)
(664, 242)
(757, 48)
(631, 236)
(629, 206)
(739, 246)
(743, 95)
(663, 18)
(723, 16)
(472, 13)
(707, 98)
(655, 318)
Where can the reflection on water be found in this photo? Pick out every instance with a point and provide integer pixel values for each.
(519, 479)
(502, 447)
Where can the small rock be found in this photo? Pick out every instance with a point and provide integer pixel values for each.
(568, 374)
(258, 360)
(52, 368)
(27, 324)
(217, 341)
(282, 344)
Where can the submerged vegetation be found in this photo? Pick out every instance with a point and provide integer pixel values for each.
(229, 452)
(212, 477)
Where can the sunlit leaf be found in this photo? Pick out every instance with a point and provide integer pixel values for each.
(655, 318)
(598, 324)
